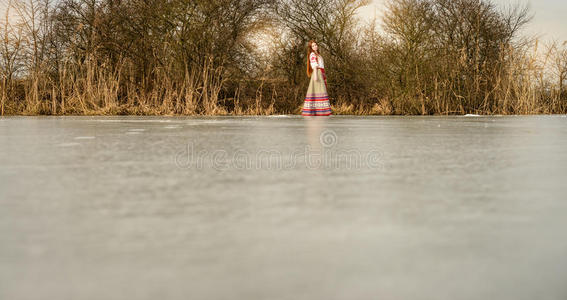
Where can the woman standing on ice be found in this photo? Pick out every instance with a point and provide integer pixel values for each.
(317, 100)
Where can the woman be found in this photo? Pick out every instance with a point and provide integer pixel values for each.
(316, 101)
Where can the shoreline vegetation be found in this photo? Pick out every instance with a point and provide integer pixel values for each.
(247, 57)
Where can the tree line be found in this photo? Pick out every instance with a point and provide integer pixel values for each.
(218, 57)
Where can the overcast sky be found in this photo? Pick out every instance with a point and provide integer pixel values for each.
(550, 16)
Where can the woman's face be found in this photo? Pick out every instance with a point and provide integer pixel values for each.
(314, 46)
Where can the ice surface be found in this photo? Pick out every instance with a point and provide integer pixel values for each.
(231, 208)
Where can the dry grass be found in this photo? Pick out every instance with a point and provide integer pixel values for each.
(523, 89)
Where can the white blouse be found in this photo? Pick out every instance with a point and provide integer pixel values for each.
(313, 59)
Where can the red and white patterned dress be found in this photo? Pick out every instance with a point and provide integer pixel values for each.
(317, 100)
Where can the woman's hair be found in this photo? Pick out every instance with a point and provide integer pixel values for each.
(309, 50)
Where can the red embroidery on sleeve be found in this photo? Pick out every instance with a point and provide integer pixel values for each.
(313, 57)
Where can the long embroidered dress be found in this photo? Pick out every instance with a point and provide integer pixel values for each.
(317, 100)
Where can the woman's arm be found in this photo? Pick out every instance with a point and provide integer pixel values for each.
(314, 64)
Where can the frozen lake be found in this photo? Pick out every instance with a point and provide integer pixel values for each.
(283, 207)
